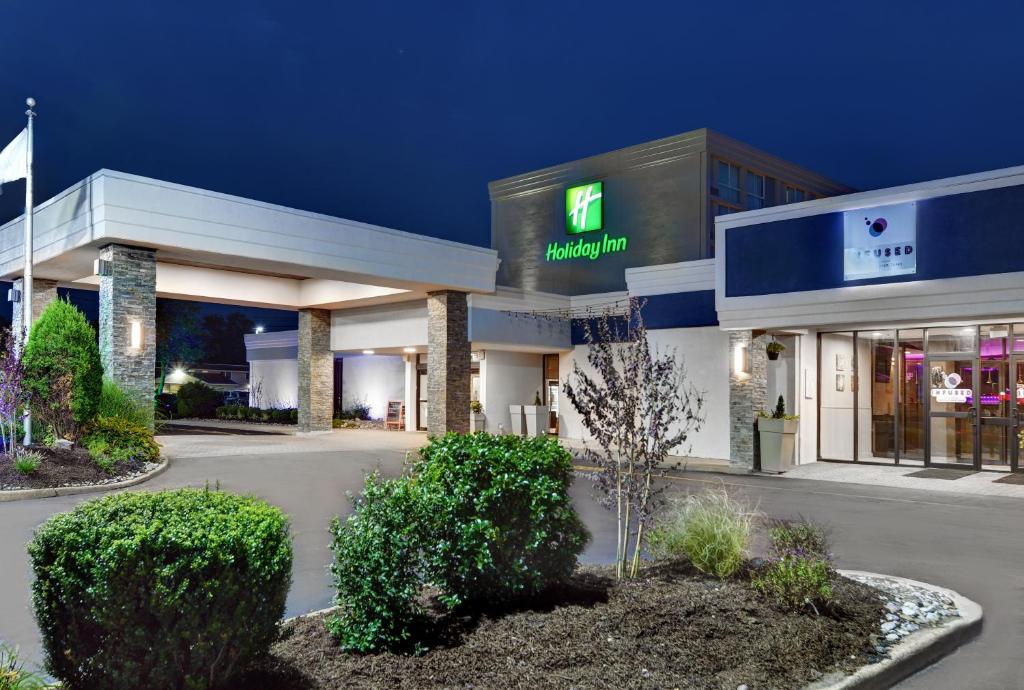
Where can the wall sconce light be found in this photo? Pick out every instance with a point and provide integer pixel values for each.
(741, 360)
(101, 267)
(14, 295)
(135, 335)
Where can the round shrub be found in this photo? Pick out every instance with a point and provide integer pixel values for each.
(376, 568)
(502, 524)
(196, 399)
(62, 348)
(169, 590)
(120, 440)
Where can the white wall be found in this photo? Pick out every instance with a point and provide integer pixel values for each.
(276, 380)
(508, 378)
(367, 328)
(782, 375)
(705, 353)
(372, 379)
(807, 387)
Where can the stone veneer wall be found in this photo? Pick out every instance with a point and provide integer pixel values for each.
(448, 362)
(747, 394)
(316, 371)
(128, 295)
(43, 292)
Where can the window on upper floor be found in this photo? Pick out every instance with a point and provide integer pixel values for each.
(794, 195)
(755, 187)
(727, 181)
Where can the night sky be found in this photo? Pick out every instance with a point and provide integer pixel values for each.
(399, 114)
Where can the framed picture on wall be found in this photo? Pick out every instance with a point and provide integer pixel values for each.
(840, 361)
(840, 383)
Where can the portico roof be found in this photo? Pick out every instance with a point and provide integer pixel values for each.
(222, 248)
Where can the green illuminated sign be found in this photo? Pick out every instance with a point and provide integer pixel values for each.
(575, 249)
(584, 210)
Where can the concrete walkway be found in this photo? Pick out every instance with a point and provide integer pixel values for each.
(970, 543)
(977, 484)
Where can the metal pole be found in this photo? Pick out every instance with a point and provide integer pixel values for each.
(26, 298)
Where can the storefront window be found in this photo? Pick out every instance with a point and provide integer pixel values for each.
(1018, 338)
(876, 402)
(957, 339)
(836, 381)
(912, 394)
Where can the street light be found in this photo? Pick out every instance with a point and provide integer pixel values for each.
(259, 329)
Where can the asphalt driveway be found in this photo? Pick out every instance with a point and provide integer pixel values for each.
(972, 544)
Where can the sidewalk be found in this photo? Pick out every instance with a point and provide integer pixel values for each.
(979, 483)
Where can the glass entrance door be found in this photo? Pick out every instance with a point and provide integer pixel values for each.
(952, 415)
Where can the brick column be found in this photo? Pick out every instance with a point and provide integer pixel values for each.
(448, 362)
(748, 393)
(316, 371)
(43, 292)
(127, 297)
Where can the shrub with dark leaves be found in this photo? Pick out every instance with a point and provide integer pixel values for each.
(164, 591)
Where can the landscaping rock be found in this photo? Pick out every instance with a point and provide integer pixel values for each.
(908, 609)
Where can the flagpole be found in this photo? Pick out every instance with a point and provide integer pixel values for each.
(26, 298)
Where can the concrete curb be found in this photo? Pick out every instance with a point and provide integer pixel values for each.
(309, 615)
(915, 652)
(51, 492)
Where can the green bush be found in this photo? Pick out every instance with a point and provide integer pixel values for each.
(61, 347)
(483, 518)
(798, 536)
(710, 528)
(196, 399)
(796, 582)
(111, 440)
(115, 402)
(376, 568)
(169, 590)
(799, 574)
(502, 523)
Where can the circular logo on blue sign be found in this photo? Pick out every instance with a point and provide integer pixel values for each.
(877, 226)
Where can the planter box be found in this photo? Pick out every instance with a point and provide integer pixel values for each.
(516, 412)
(476, 421)
(778, 443)
(536, 419)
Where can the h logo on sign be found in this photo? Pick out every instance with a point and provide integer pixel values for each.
(584, 208)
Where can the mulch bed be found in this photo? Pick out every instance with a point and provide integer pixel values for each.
(671, 628)
(62, 467)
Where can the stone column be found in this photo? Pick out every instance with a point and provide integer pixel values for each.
(748, 393)
(316, 371)
(128, 310)
(43, 292)
(448, 362)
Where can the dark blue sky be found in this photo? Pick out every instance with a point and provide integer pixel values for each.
(399, 113)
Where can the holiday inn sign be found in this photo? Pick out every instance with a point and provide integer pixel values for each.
(584, 212)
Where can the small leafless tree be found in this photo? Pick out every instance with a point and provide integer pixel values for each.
(637, 405)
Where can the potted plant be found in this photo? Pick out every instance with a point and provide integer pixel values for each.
(516, 413)
(476, 417)
(774, 349)
(777, 431)
(536, 417)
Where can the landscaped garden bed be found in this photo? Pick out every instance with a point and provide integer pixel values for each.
(669, 627)
(86, 430)
(64, 467)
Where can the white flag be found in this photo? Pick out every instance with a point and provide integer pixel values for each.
(14, 159)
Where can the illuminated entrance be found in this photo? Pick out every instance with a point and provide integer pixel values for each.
(946, 396)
